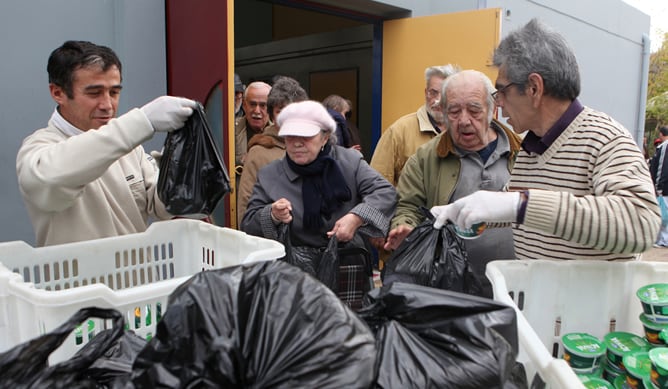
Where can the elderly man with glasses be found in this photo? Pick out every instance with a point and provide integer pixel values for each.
(476, 152)
(582, 189)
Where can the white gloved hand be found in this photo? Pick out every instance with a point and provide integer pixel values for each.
(481, 206)
(157, 155)
(442, 213)
(168, 113)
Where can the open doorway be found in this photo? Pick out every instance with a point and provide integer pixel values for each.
(329, 50)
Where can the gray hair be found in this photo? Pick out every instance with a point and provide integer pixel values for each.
(335, 102)
(535, 48)
(257, 85)
(285, 90)
(473, 74)
(444, 71)
(333, 139)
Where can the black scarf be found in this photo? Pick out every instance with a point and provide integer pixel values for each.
(324, 190)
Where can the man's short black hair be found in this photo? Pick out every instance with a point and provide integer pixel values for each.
(74, 55)
(663, 130)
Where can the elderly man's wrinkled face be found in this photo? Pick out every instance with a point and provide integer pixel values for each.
(468, 114)
(432, 97)
(255, 107)
(304, 150)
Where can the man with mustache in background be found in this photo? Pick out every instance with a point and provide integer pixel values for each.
(411, 131)
(255, 120)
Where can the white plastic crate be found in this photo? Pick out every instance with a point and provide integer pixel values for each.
(553, 298)
(132, 273)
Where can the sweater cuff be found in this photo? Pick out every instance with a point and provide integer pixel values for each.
(540, 209)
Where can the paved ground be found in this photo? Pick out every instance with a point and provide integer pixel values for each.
(655, 254)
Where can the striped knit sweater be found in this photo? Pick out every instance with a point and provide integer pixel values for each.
(590, 195)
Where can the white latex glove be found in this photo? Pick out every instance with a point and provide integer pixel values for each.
(168, 113)
(481, 206)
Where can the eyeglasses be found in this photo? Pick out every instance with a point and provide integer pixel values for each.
(502, 91)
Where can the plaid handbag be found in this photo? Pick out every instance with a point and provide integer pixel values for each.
(355, 275)
(343, 267)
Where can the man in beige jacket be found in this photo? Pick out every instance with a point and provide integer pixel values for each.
(411, 131)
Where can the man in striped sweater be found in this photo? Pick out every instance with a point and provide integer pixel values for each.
(580, 188)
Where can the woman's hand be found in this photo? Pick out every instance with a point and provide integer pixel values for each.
(345, 228)
(281, 211)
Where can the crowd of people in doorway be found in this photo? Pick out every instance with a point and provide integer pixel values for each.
(551, 177)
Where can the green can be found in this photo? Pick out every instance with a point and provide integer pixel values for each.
(659, 372)
(638, 368)
(621, 343)
(654, 301)
(583, 352)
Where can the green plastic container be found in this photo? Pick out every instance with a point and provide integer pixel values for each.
(471, 233)
(654, 300)
(621, 343)
(653, 330)
(86, 328)
(620, 382)
(583, 352)
(638, 368)
(648, 383)
(659, 373)
(590, 382)
(610, 373)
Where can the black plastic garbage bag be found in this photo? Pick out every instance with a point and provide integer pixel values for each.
(345, 268)
(26, 365)
(115, 366)
(431, 338)
(267, 325)
(193, 177)
(320, 262)
(433, 257)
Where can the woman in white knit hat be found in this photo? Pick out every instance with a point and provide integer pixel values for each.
(320, 188)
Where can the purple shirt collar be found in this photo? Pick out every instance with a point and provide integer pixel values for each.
(534, 144)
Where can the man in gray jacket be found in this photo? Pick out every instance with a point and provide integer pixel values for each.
(86, 175)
